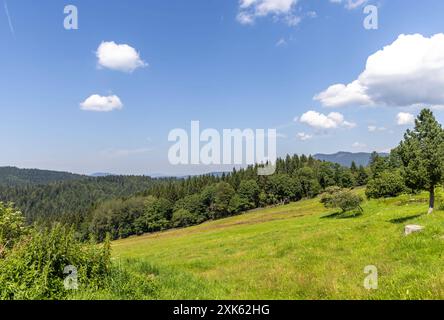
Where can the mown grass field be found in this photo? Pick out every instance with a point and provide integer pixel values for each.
(296, 251)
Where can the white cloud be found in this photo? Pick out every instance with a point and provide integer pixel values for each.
(408, 72)
(11, 27)
(121, 57)
(281, 43)
(250, 10)
(351, 4)
(304, 136)
(101, 103)
(118, 153)
(321, 121)
(359, 145)
(376, 129)
(405, 119)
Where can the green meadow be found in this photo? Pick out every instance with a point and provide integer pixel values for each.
(295, 251)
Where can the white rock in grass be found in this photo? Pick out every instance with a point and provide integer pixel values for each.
(411, 228)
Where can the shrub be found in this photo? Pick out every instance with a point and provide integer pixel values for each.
(342, 199)
(35, 267)
(12, 227)
(386, 184)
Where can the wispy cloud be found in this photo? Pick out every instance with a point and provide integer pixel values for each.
(118, 153)
(11, 27)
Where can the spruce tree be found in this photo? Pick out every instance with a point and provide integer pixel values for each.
(422, 155)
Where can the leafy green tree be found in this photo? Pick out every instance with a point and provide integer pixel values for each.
(282, 188)
(157, 214)
(223, 192)
(183, 218)
(422, 153)
(193, 204)
(248, 192)
(386, 184)
(310, 186)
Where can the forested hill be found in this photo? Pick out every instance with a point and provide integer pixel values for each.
(70, 200)
(346, 158)
(12, 176)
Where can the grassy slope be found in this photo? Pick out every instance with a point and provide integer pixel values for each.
(297, 251)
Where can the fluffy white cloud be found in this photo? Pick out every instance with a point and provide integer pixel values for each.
(410, 71)
(101, 103)
(304, 136)
(321, 121)
(121, 57)
(250, 10)
(405, 119)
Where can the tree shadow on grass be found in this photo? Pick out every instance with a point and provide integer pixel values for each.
(343, 215)
(404, 219)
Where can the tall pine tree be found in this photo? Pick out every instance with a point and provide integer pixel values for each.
(422, 155)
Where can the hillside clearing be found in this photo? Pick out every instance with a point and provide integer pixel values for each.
(296, 251)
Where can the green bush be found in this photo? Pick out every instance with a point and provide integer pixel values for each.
(12, 227)
(386, 184)
(35, 267)
(342, 199)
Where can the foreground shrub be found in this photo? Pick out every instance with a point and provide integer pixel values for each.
(387, 184)
(12, 227)
(36, 267)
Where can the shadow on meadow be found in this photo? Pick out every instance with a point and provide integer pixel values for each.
(405, 219)
(343, 215)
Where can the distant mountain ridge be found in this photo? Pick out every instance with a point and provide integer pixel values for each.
(13, 176)
(346, 158)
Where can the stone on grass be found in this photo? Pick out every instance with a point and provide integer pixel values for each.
(411, 228)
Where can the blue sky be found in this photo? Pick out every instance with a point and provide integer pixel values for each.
(203, 62)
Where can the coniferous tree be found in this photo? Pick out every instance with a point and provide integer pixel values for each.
(422, 154)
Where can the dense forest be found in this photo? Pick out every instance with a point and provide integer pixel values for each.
(12, 176)
(68, 201)
(128, 205)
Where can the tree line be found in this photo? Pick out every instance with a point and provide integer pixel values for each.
(185, 202)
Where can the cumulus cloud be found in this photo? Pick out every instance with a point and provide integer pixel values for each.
(99, 103)
(408, 72)
(405, 119)
(304, 136)
(321, 121)
(121, 57)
